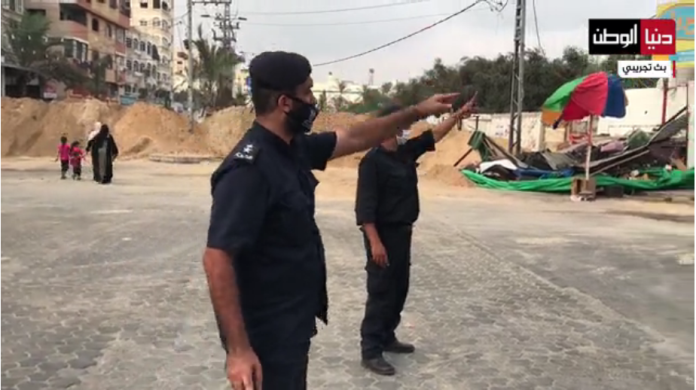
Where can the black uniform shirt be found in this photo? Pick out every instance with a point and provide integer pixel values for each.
(387, 191)
(263, 217)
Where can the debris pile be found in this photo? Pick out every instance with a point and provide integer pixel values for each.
(638, 162)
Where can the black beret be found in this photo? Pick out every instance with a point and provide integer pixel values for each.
(388, 110)
(279, 70)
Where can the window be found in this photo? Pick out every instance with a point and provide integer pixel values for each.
(129, 64)
(156, 22)
(156, 4)
(136, 66)
(95, 24)
(95, 55)
(109, 30)
(135, 43)
(148, 49)
(113, 4)
(143, 23)
(143, 3)
(120, 34)
(142, 67)
(142, 46)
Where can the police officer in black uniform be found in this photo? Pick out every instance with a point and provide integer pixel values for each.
(386, 207)
(264, 258)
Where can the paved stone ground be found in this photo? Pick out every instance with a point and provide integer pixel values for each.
(102, 288)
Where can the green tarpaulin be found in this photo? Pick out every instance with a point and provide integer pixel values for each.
(660, 179)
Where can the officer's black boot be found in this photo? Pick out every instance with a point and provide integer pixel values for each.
(379, 366)
(399, 347)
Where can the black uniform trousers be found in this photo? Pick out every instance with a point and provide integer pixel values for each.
(285, 369)
(387, 289)
(288, 372)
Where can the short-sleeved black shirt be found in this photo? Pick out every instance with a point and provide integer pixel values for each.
(263, 217)
(387, 191)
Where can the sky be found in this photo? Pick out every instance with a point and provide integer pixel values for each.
(477, 32)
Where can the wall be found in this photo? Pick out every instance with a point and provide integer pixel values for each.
(497, 125)
(644, 110)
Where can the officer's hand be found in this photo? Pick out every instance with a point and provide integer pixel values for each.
(379, 254)
(466, 110)
(437, 104)
(244, 370)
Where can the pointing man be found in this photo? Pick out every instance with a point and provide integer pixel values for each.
(264, 258)
(386, 208)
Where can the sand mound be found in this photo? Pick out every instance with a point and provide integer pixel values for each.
(33, 128)
(145, 129)
(447, 174)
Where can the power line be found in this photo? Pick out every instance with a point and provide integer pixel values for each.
(345, 23)
(426, 28)
(328, 11)
(536, 28)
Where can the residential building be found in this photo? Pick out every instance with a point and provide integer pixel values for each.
(180, 71)
(141, 67)
(154, 19)
(90, 30)
(11, 13)
(334, 88)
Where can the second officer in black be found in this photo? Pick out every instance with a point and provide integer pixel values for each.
(386, 207)
(264, 258)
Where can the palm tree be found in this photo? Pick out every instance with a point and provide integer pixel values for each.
(213, 70)
(33, 50)
(339, 101)
(323, 101)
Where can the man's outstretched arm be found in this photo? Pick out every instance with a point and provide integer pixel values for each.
(371, 132)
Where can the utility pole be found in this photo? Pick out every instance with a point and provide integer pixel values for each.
(517, 85)
(189, 37)
(227, 23)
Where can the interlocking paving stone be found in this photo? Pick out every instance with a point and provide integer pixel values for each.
(103, 288)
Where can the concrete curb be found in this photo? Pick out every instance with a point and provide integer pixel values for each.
(181, 159)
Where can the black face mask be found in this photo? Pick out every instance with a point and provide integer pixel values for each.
(301, 118)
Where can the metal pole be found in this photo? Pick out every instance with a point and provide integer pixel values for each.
(520, 76)
(189, 35)
(516, 80)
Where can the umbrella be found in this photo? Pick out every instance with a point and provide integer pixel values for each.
(597, 94)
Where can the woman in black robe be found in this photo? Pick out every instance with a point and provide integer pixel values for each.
(104, 151)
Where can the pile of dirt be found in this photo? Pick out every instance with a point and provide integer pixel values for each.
(33, 127)
(144, 129)
(447, 174)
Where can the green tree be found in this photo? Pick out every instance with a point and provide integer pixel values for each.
(339, 102)
(34, 50)
(213, 72)
(323, 101)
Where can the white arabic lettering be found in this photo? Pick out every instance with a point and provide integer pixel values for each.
(602, 37)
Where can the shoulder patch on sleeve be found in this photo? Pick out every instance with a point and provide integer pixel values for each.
(246, 152)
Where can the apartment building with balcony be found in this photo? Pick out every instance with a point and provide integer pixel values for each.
(90, 30)
(12, 11)
(154, 19)
(141, 66)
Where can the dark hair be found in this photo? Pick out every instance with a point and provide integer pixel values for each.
(388, 110)
(75, 143)
(264, 100)
(63, 139)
